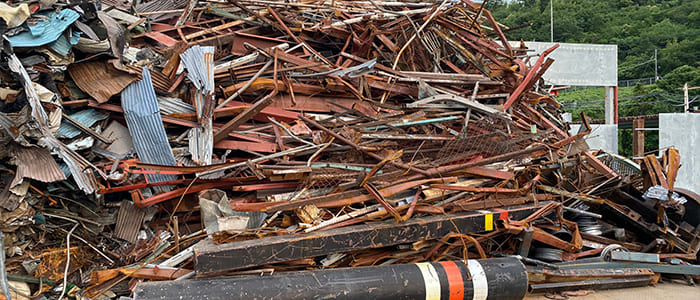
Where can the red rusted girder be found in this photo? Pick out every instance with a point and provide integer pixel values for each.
(530, 77)
(200, 187)
(599, 165)
(544, 237)
(258, 146)
(246, 115)
(494, 189)
(348, 142)
(544, 120)
(166, 119)
(333, 201)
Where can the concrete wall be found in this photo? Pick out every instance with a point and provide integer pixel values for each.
(603, 137)
(682, 131)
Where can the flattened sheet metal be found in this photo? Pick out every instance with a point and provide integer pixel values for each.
(129, 221)
(199, 62)
(86, 117)
(35, 163)
(65, 42)
(170, 105)
(46, 30)
(146, 127)
(100, 79)
(14, 16)
(124, 5)
(160, 5)
(115, 34)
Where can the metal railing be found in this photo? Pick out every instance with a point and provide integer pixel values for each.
(633, 82)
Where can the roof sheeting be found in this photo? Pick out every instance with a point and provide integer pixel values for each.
(35, 163)
(145, 125)
(65, 42)
(199, 62)
(100, 79)
(86, 117)
(45, 31)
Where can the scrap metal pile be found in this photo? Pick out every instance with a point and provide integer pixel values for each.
(171, 139)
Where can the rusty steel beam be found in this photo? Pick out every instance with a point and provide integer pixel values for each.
(213, 258)
(531, 76)
(243, 117)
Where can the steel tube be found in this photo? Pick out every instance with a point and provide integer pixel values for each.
(496, 278)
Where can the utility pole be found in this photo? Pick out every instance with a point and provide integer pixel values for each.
(656, 64)
(685, 98)
(551, 22)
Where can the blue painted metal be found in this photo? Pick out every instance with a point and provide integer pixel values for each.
(145, 126)
(45, 31)
(86, 117)
(65, 42)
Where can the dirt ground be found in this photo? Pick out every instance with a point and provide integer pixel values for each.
(676, 290)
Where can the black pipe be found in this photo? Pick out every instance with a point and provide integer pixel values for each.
(496, 278)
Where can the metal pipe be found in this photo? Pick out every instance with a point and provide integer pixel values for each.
(496, 278)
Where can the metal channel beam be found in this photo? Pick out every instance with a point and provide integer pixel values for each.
(212, 258)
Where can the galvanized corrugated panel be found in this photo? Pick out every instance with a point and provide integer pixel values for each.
(45, 31)
(100, 79)
(83, 171)
(199, 62)
(35, 163)
(160, 5)
(86, 117)
(145, 125)
(170, 105)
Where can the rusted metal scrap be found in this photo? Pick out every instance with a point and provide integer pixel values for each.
(185, 138)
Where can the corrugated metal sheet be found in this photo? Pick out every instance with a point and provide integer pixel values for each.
(129, 221)
(45, 31)
(100, 79)
(82, 170)
(65, 42)
(86, 117)
(160, 5)
(124, 5)
(169, 105)
(199, 62)
(35, 163)
(145, 125)
(159, 80)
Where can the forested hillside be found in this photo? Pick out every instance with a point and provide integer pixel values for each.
(636, 26)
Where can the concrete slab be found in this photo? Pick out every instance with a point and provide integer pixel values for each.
(603, 137)
(682, 131)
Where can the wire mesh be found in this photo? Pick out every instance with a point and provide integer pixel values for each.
(482, 138)
(324, 181)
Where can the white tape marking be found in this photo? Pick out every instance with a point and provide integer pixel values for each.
(481, 285)
(432, 282)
